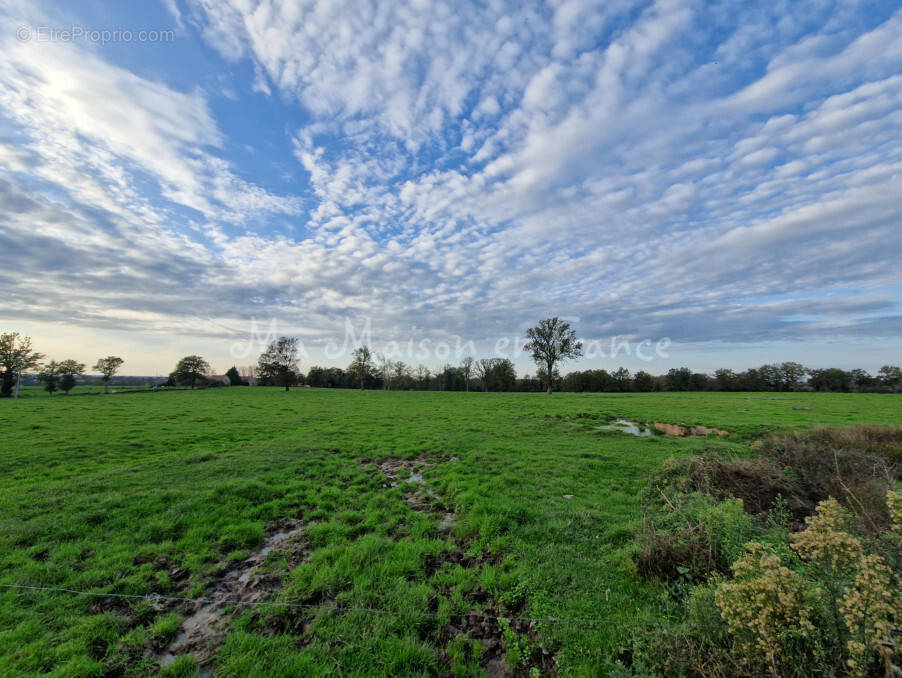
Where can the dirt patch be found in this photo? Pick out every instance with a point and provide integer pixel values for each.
(236, 585)
(686, 431)
(648, 428)
(400, 471)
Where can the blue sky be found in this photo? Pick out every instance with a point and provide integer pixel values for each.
(724, 174)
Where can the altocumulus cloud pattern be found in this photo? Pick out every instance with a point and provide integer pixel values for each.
(708, 171)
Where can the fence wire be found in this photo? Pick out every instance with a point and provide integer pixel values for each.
(223, 602)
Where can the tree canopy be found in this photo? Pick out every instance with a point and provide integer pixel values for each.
(107, 367)
(192, 370)
(551, 342)
(361, 367)
(278, 364)
(16, 356)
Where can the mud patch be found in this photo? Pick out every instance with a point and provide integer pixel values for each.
(407, 471)
(645, 429)
(486, 623)
(236, 585)
(686, 431)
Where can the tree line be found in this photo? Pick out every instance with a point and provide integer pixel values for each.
(18, 357)
(551, 343)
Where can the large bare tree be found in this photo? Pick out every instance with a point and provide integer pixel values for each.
(551, 342)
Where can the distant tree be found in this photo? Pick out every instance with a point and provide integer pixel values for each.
(422, 376)
(791, 375)
(450, 378)
(401, 375)
(699, 381)
(192, 370)
(278, 364)
(551, 342)
(890, 376)
(725, 380)
(317, 376)
(862, 380)
(235, 378)
(107, 367)
(830, 379)
(496, 374)
(466, 367)
(679, 379)
(643, 381)
(483, 370)
(529, 384)
(772, 377)
(16, 357)
(504, 375)
(68, 370)
(622, 379)
(385, 368)
(49, 376)
(361, 368)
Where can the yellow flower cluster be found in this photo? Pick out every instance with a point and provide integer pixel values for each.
(764, 599)
(894, 503)
(826, 539)
(870, 610)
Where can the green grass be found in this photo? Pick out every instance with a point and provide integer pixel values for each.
(109, 494)
(81, 389)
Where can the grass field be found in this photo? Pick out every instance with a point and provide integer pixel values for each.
(525, 510)
(80, 390)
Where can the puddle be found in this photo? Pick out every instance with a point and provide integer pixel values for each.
(626, 426)
(644, 430)
(237, 585)
(409, 471)
(447, 523)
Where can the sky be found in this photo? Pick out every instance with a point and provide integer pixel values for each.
(722, 179)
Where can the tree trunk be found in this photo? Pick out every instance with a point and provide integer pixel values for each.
(106, 385)
(548, 376)
(18, 381)
(286, 388)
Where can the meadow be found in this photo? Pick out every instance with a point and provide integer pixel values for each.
(429, 533)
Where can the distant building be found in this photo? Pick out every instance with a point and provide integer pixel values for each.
(220, 379)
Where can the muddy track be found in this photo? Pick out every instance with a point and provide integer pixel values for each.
(482, 624)
(236, 586)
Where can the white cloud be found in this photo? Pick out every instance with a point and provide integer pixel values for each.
(82, 113)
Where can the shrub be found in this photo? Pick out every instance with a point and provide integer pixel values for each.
(692, 536)
(769, 610)
(855, 465)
